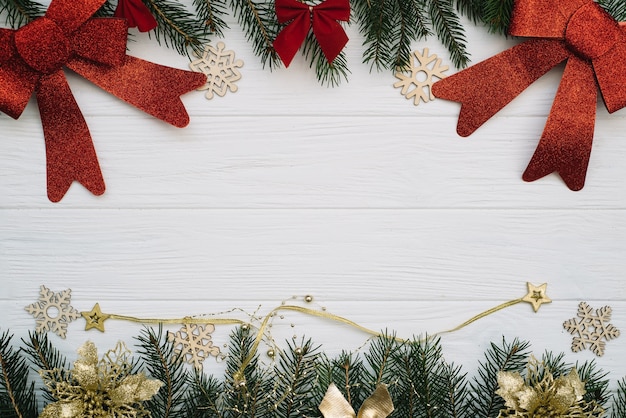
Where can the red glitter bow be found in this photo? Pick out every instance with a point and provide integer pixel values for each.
(136, 13)
(323, 17)
(32, 60)
(593, 44)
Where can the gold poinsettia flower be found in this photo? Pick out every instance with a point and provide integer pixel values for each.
(99, 388)
(540, 395)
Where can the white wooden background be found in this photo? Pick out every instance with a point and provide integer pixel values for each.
(350, 194)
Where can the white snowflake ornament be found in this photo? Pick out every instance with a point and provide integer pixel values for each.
(590, 328)
(221, 70)
(418, 84)
(53, 311)
(194, 342)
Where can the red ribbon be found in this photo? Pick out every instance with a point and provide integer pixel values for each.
(593, 44)
(136, 13)
(323, 17)
(32, 60)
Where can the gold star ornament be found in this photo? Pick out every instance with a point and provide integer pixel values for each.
(536, 295)
(95, 318)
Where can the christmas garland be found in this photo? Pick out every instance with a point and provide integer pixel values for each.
(389, 27)
(387, 378)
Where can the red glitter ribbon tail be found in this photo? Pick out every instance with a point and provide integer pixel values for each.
(565, 145)
(70, 154)
(488, 86)
(153, 88)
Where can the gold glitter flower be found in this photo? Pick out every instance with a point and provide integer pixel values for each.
(98, 388)
(540, 395)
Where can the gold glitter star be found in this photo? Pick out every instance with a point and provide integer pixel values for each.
(95, 318)
(536, 295)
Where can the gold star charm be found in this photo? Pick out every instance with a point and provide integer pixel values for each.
(95, 318)
(536, 295)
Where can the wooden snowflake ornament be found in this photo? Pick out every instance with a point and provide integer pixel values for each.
(590, 328)
(53, 311)
(425, 71)
(194, 342)
(221, 70)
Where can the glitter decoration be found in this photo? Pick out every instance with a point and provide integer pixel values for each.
(194, 342)
(98, 388)
(540, 394)
(594, 46)
(425, 70)
(591, 328)
(221, 70)
(53, 311)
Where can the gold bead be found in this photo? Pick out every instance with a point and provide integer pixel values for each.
(245, 327)
(308, 298)
(271, 353)
(298, 351)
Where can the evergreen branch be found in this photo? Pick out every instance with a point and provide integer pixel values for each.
(162, 363)
(456, 385)
(483, 402)
(258, 20)
(107, 9)
(202, 397)
(596, 383)
(17, 395)
(619, 400)
(376, 22)
(177, 27)
(411, 26)
(347, 372)
(328, 73)
(496, 14)
(296, 375)
(20, 12)
(379, 360)
(616, 8)
(473, 9)
(46, 357)
(449, 30)
(210, 12)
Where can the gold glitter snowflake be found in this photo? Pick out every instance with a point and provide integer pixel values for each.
(194, 342)
(418, 84)
(221, 69)
(53, 311)
(591, 328)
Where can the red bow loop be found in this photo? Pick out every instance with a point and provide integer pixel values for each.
(32, 58)
(595, 47)
(137, 14)
(323, 18)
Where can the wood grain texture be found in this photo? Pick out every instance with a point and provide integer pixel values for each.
(352, 194)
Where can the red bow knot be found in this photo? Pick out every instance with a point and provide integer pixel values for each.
(32, 60)
(323, 18)
(593, 44)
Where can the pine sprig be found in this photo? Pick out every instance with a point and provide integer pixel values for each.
(379, 359)
(483, 402)
(211, 13)
(177, 27)
(203, 396)
(347, 372)
(44, 356)
(162, 363)
(411, 26)
(619, 400)
(258, 20)
(295, 373)
(17, 394)
(616, 8)
(20, 12)
(449, 30)
(328, 73)
(376, 21)
(496, 14)
(596, 383)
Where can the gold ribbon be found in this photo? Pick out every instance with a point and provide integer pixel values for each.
(378, 405)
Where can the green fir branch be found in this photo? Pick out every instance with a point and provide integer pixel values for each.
(376, 22)
(619, 400)
(347, 372)
(327, 73)
(211, 13)
(473, 9)
(203, 396)
(246, 386)
(379, 360)
(295, 373)
(20, 12)
(17, 394)
(596, 383)
(496, 14)
(161, 362)
(44, 356)
(616, 8)
(176, 26)
(411, 26)
(449, 30)
(483, 402)
(259, 23)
